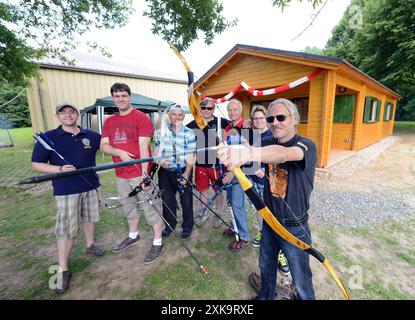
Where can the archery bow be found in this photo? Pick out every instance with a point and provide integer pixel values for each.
(252, 194)
(51, 176)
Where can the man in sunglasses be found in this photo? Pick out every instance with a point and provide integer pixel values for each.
(207, 165)
(290, 170)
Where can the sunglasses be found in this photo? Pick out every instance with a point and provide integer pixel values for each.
(71, 112)
(280, 118)
(207, 108)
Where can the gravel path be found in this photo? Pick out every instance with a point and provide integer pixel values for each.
(359, 209)
(349, 166)
(336, 201)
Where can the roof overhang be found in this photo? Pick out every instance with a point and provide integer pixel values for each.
(111, 73)
(318, 61)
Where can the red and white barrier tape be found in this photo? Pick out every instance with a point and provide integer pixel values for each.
(259, 93)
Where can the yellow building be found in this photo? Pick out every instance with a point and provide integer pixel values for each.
(342, 109)
(91, 78)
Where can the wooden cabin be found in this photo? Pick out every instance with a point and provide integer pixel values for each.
(342, 109)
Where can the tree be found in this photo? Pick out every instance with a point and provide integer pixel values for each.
(383, 46)
(32, 29)
(313, 50)
(14, 114)
(341, 42)
(285, 3)
(178, 21)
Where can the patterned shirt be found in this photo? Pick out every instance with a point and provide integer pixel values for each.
(178, 144)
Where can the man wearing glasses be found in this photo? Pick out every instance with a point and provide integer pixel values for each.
(290, 170)
(207, 165)
(77, 197)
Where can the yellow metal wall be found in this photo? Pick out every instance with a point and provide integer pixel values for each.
(82, 89)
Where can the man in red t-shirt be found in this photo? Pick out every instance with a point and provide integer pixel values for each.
(126, 136)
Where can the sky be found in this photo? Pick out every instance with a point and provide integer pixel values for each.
(259, 24)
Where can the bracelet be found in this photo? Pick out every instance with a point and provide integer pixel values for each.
(60, 169)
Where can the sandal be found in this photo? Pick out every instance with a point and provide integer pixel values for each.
(228, 232)
(238, 245)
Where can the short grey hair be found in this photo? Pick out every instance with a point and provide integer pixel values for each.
(237, 102)
(205, 102)
(176, 107)
(292, 108)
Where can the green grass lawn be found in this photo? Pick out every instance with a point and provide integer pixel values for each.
(404, 126)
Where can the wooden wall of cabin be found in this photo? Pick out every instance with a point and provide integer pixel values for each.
(343, 134)
(387, 126)
(372, 132)
(315, 117)
(264, 73)
(259, 73)
(361, 134)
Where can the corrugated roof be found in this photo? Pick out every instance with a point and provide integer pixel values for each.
(87, 62)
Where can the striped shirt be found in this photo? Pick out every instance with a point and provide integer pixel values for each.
(178, 144)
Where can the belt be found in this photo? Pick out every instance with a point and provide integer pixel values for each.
(296, 222)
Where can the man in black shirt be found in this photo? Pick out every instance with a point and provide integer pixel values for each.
(207, 170)
(290, 171)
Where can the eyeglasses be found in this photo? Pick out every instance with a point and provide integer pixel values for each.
(207, 108)
(71, 112)
(259, 118)
(280, 118)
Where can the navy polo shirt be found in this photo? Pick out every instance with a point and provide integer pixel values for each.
(79, 150)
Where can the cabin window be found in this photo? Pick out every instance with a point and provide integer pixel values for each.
(387, 115)
(302, 105)
(344, 108)
(372, 110)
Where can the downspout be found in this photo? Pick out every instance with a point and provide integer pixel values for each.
(42, 106)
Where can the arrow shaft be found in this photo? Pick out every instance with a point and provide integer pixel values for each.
(103, 167)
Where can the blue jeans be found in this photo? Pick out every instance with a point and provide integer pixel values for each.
(298, 261)
(259, 188)
(238, 208)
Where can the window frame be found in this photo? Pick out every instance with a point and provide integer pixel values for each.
(388, 111)
(374, 110)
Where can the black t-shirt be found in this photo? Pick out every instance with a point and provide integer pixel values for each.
(293, 180)
(207, 138)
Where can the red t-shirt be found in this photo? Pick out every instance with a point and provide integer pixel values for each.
(123, 133)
